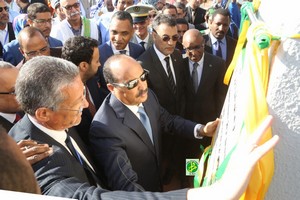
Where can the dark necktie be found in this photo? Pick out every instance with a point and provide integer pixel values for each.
(91, 107)
(122, 51)
(145, 121)
(219, 50)
(142, 43)
(170, 75)
(195, 76)
(88, 171)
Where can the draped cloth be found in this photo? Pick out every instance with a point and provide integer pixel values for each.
(244, 109)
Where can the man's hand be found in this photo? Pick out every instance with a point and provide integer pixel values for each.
(210, 128)
(33, 151)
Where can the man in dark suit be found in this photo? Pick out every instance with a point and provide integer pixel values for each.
(84, 53)
(166, 79)
(120, 33)
(217, 41)
(126, 151)
(39, 16)
(8, 103)
(53, 105)
(5, 27)
(205, 93)
(195, 14)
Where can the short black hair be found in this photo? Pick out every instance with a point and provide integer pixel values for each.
(79, 49)
(122, 15)
(35, 8)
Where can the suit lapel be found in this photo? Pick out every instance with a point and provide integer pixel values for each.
(131, 121)
(160, 69)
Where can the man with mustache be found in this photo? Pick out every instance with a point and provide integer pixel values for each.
(127, 148)
(39, 16)
(74, 24)
(218, 42)
(6, 29)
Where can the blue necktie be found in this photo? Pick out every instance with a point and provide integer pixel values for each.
(145, 121)
(195, 76)
(219, 50)
(122, 51)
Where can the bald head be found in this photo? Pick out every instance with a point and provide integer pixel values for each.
(193, 42)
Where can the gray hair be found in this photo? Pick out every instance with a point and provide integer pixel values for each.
(40, 81)
(163, 19)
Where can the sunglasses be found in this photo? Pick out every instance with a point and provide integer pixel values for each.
(167, 38)
(133, 83)
(69, 7)
(5, 8)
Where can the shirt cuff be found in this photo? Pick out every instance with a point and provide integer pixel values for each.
(197, 127)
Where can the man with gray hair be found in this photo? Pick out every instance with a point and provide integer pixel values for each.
(54, 104)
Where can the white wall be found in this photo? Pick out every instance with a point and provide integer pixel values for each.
(283, 18)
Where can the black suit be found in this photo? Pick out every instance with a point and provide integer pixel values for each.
(173, 103)
(7, 125)
(98, 94)
(199, 17)
(11, 37)
(123, 149)
(60, 174)
(230, 48)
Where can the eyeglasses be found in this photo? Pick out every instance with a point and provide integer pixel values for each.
(69, 7)
(43, 21)
(12, 93)
(167, 38)
(197, 47)
(4, 8)
(133, 83)
(80, 108)
(35, 53)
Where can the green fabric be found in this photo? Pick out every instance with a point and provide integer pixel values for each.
(86, 27)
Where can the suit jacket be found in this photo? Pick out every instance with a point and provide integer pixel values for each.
(150, 40)
(7, 125)
(13, 55)
(98, 95)
(206, 104)
(60, 174)
(11, 37)
(199, 17)
(122, 147)
(106, 51)
(158, 80)
(230, 48)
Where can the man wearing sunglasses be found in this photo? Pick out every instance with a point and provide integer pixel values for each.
(127, 146)
(141, 22)
(74, 24)
(39, 16)
(6, 29)
(167, 79)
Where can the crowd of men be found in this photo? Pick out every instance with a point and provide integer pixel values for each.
(116, 95)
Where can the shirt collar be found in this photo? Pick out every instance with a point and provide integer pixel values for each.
(9, 116)
(144, 40)
(160, 55)
(115, 51)
(59, 136)
(200, 62)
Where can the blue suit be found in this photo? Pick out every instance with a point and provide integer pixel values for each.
(13, 55)
(106, 51)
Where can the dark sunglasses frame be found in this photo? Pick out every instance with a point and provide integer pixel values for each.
(12, 93)
(6, 8)
(167, 38)
(133, 83)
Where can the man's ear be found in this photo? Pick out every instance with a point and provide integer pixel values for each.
(43, 114)
(83, 66)
(110, 87)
